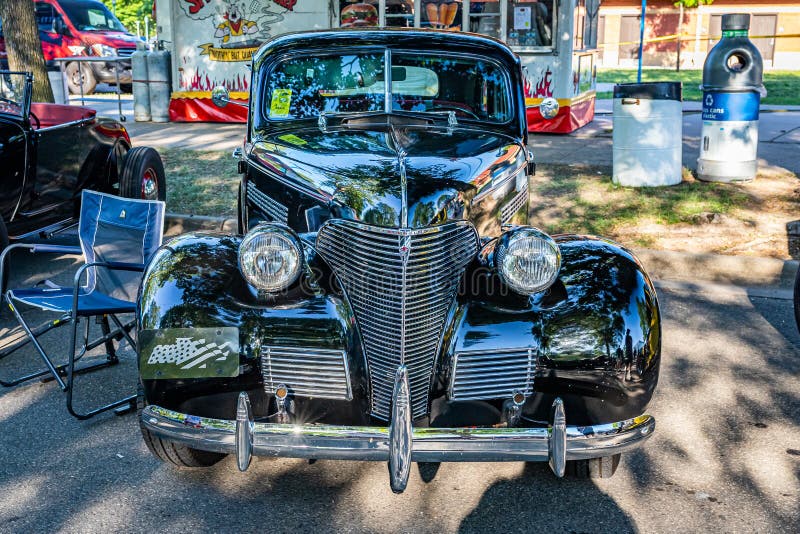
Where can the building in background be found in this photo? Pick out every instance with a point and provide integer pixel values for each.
(774, 28)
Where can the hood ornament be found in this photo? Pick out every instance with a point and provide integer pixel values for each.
(452, 122)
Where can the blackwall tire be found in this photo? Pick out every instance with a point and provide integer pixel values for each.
(797, 300)
(73, 78)
(593, 468)
(143, 175)
(174, 453)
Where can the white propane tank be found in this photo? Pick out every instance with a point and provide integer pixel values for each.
(141, 84)
(59, 84)
(647, 135)
(158, 73)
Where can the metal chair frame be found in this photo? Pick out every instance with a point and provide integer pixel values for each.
(98, 304)
(68, 370)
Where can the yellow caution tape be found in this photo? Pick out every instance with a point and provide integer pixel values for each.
(689, 37)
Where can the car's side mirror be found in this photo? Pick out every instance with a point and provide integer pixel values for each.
(220, 96)
(59, 26)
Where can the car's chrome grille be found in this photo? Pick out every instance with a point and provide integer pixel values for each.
(125, 52)
(514, 205)
(306, 372)
(269, 207)
(400, 283)
(484, 375)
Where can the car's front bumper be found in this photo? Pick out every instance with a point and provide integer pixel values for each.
(244, 437)
(105, 72)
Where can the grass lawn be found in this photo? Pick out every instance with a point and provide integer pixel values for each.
(200, 182)
(741, 218)
(590, 203)
(783, 86)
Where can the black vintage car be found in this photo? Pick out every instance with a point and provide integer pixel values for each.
(386, 300)
(51, 152)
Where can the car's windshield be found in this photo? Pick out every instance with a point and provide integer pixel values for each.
(303, 87)
(91, 16)
(12, 91)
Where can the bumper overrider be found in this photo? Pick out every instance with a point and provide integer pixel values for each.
(399, 443)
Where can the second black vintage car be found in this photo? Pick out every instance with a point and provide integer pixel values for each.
(49, 153)
(386, 300)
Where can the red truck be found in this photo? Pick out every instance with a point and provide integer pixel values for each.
(83, 28)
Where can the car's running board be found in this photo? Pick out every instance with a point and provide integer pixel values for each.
(48, 231)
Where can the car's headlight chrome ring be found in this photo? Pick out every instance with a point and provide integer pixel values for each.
(270, 257)
(527, 260)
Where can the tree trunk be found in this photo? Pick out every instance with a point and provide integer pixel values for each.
(23, 45)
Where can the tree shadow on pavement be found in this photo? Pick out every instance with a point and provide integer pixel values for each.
(538, 501)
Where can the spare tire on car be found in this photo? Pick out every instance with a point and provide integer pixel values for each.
(143, 175)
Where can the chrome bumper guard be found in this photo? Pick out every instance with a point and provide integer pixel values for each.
(399, 444)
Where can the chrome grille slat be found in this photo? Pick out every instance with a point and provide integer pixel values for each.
(486, 375)
(431, 267)
(269, 207)
(514, 205)
(400, 306)
(306, 371)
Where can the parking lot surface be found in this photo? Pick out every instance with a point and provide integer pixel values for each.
(725, 455)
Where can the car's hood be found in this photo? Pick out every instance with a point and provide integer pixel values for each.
(111, 38)
(379, 175)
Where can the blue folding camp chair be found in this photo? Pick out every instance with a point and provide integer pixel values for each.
(117, 238)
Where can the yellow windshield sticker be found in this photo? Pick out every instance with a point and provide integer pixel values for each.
(281, 100)
(293, 139)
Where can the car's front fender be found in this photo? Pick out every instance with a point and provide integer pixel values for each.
(594, 336)
(193, 288)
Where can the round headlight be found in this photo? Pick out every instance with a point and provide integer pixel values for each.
(270, 258)
(527, 260)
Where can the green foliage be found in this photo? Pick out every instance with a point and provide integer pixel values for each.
(129, 11)
(783, 86)
(691, 4)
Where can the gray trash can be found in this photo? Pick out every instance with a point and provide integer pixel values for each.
(648, 135)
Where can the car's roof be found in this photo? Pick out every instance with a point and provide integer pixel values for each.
(437, 40)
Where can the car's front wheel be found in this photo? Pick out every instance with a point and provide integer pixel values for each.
(143, 175)
(75, 71)
(604, 467)
(171, 452)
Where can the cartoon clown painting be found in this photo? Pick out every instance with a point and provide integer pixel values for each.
(234, 25)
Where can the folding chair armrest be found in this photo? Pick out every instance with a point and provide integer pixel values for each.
(56, 249)
(34, 248)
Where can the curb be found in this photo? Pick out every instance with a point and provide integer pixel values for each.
(178, 223)
(664, 265)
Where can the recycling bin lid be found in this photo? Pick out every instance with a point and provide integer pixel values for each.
(650, 91)
(735, 21)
